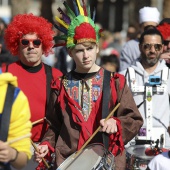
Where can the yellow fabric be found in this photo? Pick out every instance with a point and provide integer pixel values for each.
(20, 123)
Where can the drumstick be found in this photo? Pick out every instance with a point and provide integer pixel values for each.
(19, 138)
(44, 161)
(37, 121)
(86, 143)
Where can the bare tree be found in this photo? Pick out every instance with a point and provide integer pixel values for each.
(19, 7)
(134, 7)
(46, 10)
(166, 6)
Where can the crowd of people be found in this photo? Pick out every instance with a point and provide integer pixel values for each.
(99, 93)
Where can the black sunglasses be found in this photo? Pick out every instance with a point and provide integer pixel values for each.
(157, 47)
(166, 42)
(26, 42)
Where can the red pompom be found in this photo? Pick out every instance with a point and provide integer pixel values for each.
(165, 30)
(85, 32)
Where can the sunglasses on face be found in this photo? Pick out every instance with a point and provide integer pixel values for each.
(26, 42)
(166, 42)
(157, 47)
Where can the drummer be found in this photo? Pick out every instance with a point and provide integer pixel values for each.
(149, 80)
(73, 112)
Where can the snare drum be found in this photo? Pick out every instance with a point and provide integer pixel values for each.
(93, 157)
(136, 157)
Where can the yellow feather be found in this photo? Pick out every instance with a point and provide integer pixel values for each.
(62, 22)
(80, 8)
(86, 19)
(70, 40)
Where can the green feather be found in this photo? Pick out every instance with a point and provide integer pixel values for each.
(69, 11)
(88, 9)
(61, 37)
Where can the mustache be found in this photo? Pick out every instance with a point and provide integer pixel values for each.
(151, 53)
(31, 52)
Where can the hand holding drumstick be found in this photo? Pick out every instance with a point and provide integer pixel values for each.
(8, 153)
(39, 150)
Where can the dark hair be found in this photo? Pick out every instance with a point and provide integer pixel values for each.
(149, 27)
(111, 59)
(152, 31)
(165, 20)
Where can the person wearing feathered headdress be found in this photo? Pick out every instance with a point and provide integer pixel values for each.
(75, 108)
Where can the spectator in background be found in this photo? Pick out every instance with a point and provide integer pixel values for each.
(109, 40)
(132, 33)
(130, 52)
(164, 28)
(106, 39)
(64, 62)
(117, 42)
(5, 56)
(110, 59)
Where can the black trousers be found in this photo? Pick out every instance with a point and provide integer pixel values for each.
(4, 166)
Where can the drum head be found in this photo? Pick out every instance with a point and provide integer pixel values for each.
(139, 151)
(88, 159)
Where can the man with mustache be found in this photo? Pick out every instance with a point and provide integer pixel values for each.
(29, 37)
(150, 84)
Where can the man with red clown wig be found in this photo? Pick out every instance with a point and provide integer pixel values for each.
(29, 37)
(164, 28)
(79, 103)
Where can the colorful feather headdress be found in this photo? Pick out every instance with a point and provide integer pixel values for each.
(77, 26)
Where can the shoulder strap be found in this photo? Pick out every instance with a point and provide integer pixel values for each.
(6, 114)
(131, 75)
(165, 74)
(105, 103)
(48, 71)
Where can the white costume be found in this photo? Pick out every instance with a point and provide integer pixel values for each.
(160, 162)
(153, 101)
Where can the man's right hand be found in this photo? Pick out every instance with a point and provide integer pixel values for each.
(166, 57)
(43, 150)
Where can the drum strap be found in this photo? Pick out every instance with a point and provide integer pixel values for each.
(105, 103)
(49, 77)
(5, 120)
(6, 114)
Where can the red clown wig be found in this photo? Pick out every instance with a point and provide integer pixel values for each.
(165, 30)
(23, 24)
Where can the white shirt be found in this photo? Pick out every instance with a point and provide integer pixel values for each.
(160, 162)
